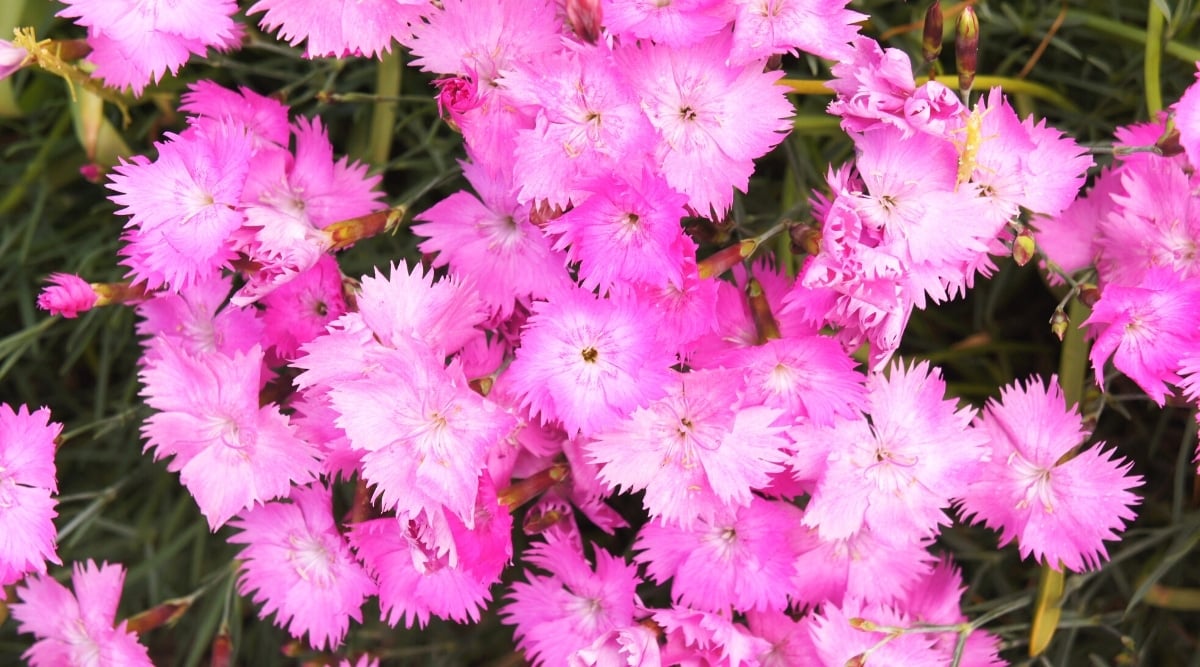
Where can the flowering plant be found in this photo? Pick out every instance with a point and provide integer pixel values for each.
(716, 332)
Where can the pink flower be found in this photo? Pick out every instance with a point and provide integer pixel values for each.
(1059, 511)
(841, 642)
(767, 27)
(184, 206)
(341, 29)
(135, 42)
(490, 236)
(673, 24)
(1152, 220)
(77, 630)
(265, 118)
(587, 362)
(567, 611)
(743, 560)
(1147, 329)
(12, 58)
(410, 306)
(1187, 119)
(298, 311)
(695, 452)
(230, 452)
(626, 231)
(631, 646)
(811, 378)
(419, 576)
(892, 469)
(713, 120)
(704, 638)
(68, 295)
(27, 487)
(300, 568)
(199, 321)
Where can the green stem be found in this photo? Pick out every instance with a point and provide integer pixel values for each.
(1073, 364)
(383, 118)
(1008, 84)
(35, 167)
(1153, 63)
(1188, 54)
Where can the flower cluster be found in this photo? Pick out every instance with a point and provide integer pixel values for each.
(565, 341)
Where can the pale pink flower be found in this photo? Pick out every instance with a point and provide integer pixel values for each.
(896, 468)
(266, 119)
(587, 362)
(811, 378)
(869, 565)
(713, 120)
(300, 568)
(935, 600)
(76, 630)
(199, 321)
(27, 487)
(411, 306)
(704, 638)
(135, 42)
(742, 560)
(12, 58)
(673, 24)
(630, 646)
(790, 642)
(1187, 119)
(340, 29)
(871, 87)
(1059, 511)
(556, 615)
(695, 452)
(1153, 220)
(67, 295)
(184, 206)
(230, 452)
(766, 27)
(839, 642)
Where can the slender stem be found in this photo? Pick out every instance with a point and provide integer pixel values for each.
(383, 117)
(1189, 54)
(1153, 61)
(1008, 84)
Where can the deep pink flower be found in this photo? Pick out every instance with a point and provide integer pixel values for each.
(1147, 329)
(300, 568)
(298, 311)
(560, 614)
(77, 630)
(695, 452)
(1059, 511)
(1187, 119)
(67, 295)
(27, 487)
(1153, 220)
(704, 638)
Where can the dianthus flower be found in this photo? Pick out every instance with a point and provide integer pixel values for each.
(27, 484)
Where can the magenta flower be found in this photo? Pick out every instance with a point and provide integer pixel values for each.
(713, 120)
(68, 295)
(1147, 329)
(1187, 119)
(587, 362)
(869, 565)
(1059, 511)
(696, 453)
(839, 642)
(265, 118)
(567, 611)
(198, 321)
(299, 567)
(673, 24)
(704, 638)
(77, 630)
(27, 487)
(230, 452)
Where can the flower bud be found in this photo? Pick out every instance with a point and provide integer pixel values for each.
(764, 321)
(966, 48)
(1024, 247)
(931, 36)
(805, 239)
(585, 17)
(1059, 323)
(1089, 294)
(166, 613)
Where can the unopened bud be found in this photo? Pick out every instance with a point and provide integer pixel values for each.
(966, 48)
(1168, 144)
(931, 37)
(1059, 323)
(1089, 294)
(519, 493)
(764, 321)
(723, 260)
(222, 649)
(585, 17)
(1024, 247)
(345, 233)
(805, 239)
(159, 615)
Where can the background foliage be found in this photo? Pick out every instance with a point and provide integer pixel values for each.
(118, 505)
